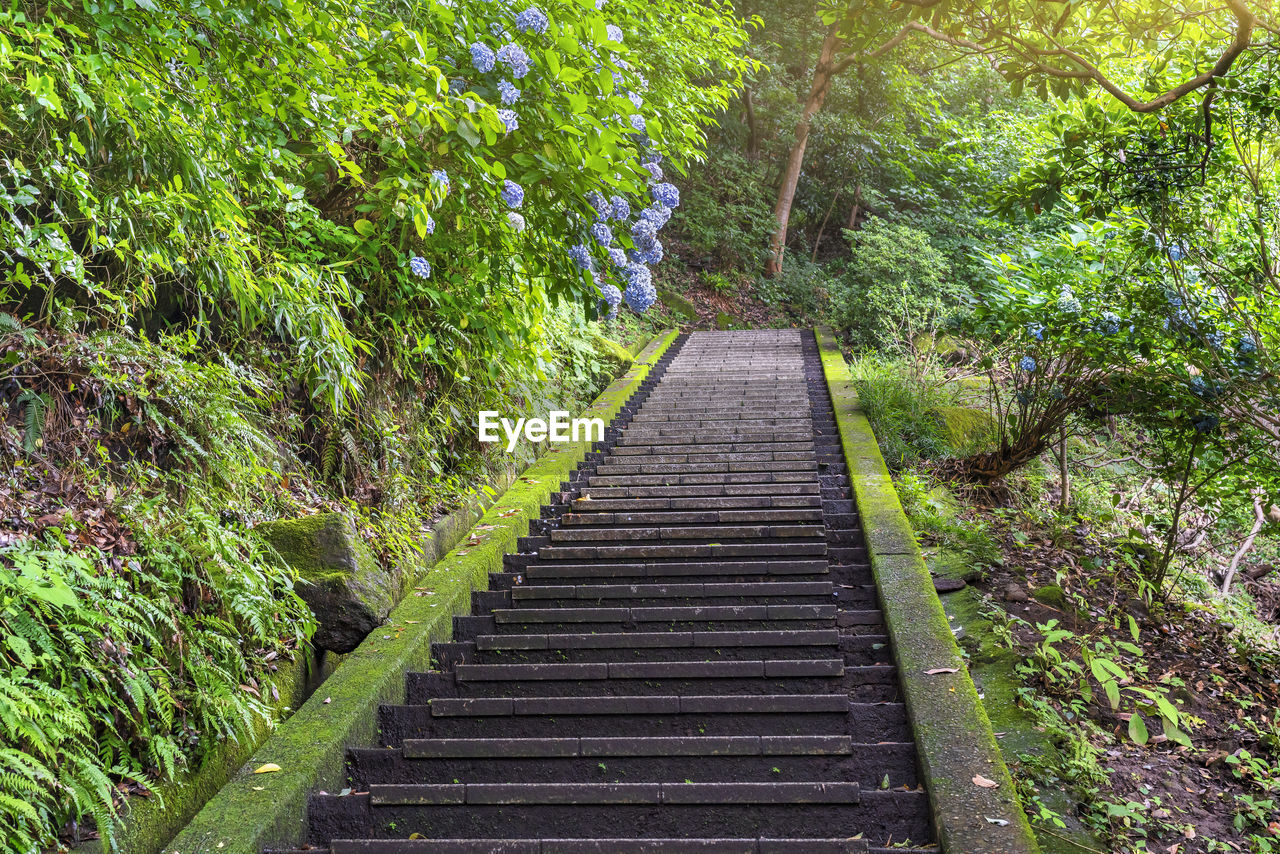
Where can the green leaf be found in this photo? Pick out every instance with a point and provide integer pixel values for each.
(363, 227)
(1138, 729)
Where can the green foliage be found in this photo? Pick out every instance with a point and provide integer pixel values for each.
(896, 287)
(902, 400)
(800, 289)
(726, 211)
(270, 168)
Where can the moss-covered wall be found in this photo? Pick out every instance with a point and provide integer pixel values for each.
(975, 807)
(253, 811)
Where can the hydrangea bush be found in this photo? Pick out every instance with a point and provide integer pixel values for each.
(369, 136)
(1105, 318)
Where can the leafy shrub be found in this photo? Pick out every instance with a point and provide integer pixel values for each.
(896, 286)
(800, 288)
(727, 211)
(902, 400)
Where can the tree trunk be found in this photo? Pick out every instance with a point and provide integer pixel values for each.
(1063, 474)
(753, 134)
(795, 160)
(817, 241)
(857, 206)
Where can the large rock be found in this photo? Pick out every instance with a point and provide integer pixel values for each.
(341, 581)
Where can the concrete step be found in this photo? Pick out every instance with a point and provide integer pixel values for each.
(599, 846)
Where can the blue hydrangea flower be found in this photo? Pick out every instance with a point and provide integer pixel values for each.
(654, 170)
(636, 100)
(1205, 423)
(1036, 331)
(581, 256)
(497, 30)
(614, 34)
(431, 225)
(512, 194)
(598, 203)
(532, 18)
(514, 57)
(643, 229)
(640, 292)
(441, 177)
(457, 86)
(1109, 324)
(610, 296)
(619, 208)
(1246, 345)
(1176, 252)
(515, 220)
(600, 4)
(602, 234)
(510, 120)
(1198, 387)
(1027, 364)
(637, 122)
(482, 57)
(650, 252)
(666, 195)
(657, 214)
(420, 267)
(617, 256)
(507, 92)
(1067, 302)
(650, 156)
(1216, 339)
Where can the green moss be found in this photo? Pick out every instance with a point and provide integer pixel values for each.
(725, 320)
(254, 811)
(677, 305)
(964, 428)
(1051, 595)
(611, 352)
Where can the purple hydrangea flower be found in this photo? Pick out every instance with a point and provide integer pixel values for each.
(581, 256)
(611, 296)
(654, 170)
(512, 194)
(515, 58)
(602, 234)
(532, 18)
(613, 33)
(637, 122)
(598, 203)
(640, 292)
(617, 256)
(510, 120)
(636, 100)
(420, 267)
(619, 208)
(666, 195)
(657, 215)
(482, 57)
(507, 92)
(643, 229)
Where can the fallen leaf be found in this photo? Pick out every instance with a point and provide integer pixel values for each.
(258, 788)
(979, 780)
(267, 769)
(328, 700)
(935, 671)
(999, 822)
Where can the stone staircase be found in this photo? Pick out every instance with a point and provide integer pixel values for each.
(686, 656)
